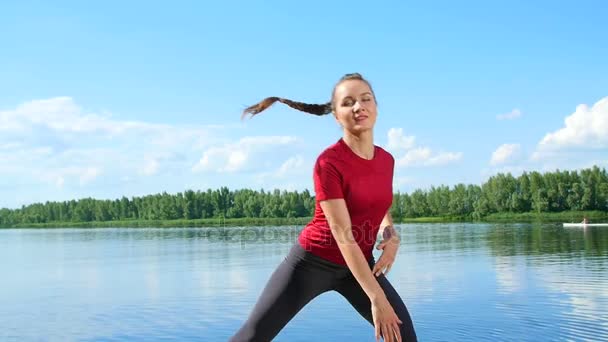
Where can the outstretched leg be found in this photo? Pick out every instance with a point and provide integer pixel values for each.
(354, 294)
(296, 281)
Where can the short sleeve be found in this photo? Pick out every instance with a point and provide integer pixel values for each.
(392, 168)
(327, 181)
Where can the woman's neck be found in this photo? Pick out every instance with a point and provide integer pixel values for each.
(362, 144)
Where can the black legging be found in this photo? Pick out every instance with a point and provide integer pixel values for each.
(303, 276)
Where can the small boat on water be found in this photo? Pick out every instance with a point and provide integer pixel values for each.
(583, 225)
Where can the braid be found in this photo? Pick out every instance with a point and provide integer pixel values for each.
(316, 109)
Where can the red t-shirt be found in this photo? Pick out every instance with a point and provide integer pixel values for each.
(367, 188)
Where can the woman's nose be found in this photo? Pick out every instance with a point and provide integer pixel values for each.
(356, 107)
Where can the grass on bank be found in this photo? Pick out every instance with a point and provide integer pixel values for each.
(566, 216)
(208, 222)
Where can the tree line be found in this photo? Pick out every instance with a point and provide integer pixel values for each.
(557, 191)
(503, 193)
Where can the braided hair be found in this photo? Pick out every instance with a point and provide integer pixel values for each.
(315, 109)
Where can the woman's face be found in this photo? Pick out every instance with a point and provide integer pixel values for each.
(355, 106)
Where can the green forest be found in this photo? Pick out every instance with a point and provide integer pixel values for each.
(502, 194)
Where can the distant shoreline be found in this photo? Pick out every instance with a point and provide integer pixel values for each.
(567, 216)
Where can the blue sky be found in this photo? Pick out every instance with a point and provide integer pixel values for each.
(132, 98)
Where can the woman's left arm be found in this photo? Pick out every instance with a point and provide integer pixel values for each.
(389, 246)
(389, 229)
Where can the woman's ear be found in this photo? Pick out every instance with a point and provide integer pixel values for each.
(338, 121)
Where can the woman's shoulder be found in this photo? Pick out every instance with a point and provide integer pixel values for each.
(336, 152)
(384, 155)
(332, 152)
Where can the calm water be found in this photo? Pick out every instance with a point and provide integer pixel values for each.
(461, 282)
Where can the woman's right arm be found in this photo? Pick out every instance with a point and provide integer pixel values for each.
(386, 322)
(339, 222)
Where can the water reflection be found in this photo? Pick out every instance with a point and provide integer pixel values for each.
(546, 239)
(467, 282)
(509, 278)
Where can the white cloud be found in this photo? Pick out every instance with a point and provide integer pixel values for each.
(514, 114)
(61, 114)
(290, 165)
(246, 153)
(443, 158)
(401, 181)
(585, 128)
(416, 156)
(236, 161)
(503, 153)
(58, 177)
(294, 173)
(150, 167)
(56, 142)
(423, 156)
(53, 149)
(10, 145)
(398, 141)
(88, 175)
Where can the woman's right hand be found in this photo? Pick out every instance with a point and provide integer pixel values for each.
(386, 322)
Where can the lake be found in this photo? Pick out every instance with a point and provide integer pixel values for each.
(461, 282)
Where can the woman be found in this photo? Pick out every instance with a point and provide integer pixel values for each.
(353, 192)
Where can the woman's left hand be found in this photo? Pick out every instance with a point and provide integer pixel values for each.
(389, 247)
